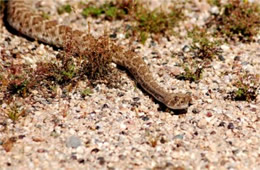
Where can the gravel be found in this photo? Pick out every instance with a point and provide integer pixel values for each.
(124, 128)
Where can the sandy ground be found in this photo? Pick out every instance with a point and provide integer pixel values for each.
(124, 128)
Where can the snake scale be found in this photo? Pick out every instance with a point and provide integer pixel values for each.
(22, 17)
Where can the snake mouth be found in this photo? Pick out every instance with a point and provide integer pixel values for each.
(183, 107)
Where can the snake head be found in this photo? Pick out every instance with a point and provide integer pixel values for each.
(178, 101)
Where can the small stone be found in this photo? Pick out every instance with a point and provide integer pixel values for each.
(163, 140)
(128, 27)
(237, 58)
(195, 111)
(95, 150)
(213, 132)
(230, 126)
(186, 48)
(120, 94)
(41, 150)
(21, 136)
(101, 160)
(225, 47)
(180, 136)
(144, 118)
(153, 43)
(114, 35)
(244, 63)
(221, 58)
(235, 152)
(7, 39)
(202, 123)
(209, 114)
(105, 106)
(73, 157)
(214, 10)
(81, 161)
(222, 124)
(136, 99)
(73, 142)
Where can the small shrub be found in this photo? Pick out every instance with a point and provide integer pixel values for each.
(15, 80)
(111, 10)
(214, 2)
(14, 112)
(190, 75)
(157, 21)
(202, 47)
(247, 88)
(64, 8)
(45, 15)
(144, 21)
(238, 20)
(86, 92)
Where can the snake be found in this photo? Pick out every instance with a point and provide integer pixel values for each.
(26, 20)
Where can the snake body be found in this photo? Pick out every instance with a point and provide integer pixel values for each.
(22, 17)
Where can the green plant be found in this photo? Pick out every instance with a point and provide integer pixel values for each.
(202, 47)
(64, 8)
(92, 11)
(144, 21)
(214, 2)
(14, 112)
(156, 21)
(238, 20)
(16, 80)
(45, 15)
(247, 88)
(86, 92)
(110, 10)
(192, 76)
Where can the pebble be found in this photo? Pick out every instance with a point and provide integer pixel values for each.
(202, 123)
(195, 111)
(180, 136)
(73, 142)
(221, 58)
(104, 131)
(186, 48)
(214, 10)
(237, 58)
(230, 126)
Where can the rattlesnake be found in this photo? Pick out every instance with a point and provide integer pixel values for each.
(24, 19)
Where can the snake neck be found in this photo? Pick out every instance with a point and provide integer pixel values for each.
(140, 71)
